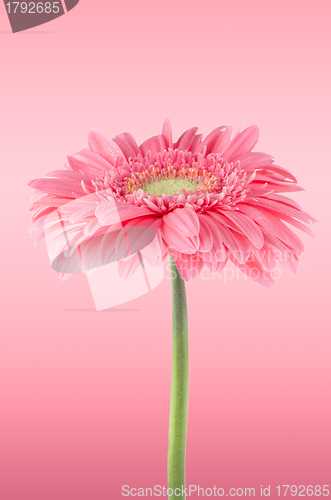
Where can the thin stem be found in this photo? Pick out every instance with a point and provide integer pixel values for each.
(179, 386)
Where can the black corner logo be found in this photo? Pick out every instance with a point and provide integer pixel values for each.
(25, 15)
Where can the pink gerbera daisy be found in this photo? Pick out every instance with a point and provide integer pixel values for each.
(202, 202)
(208, 201)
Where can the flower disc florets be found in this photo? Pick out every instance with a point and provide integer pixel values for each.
(173, 179)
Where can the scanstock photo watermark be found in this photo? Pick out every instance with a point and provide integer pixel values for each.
(214, 491)
(26, 15)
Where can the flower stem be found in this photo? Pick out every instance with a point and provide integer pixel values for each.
(179, 386)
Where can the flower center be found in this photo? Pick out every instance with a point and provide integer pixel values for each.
(173, 178)
(169, 186)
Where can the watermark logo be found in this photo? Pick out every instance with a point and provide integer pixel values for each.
(25, 15)
(102, 251)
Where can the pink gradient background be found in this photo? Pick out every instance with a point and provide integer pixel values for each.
(85, 395)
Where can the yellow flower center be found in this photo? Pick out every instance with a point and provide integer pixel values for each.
(169, 186)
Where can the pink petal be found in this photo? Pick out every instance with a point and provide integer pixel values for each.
(90, 254)
(229, 239)
(277, 246)
(282, 208)
(112, 213)
(211, 140)
(271, 186)
(68, 189)
(41, 213)
(273, 225)
(186, 139)
(261, 217)
(153, 250)
(215, 267)
(298, 224)
(167, 133)
(154, 208)
(183, 220)
(205, 236)
(153, 261)
(155, 144)
(91, 227)
(102, 145)
(254, 160)
(149, 221)
(69, 175)
(284, 255)
(255, 271)
(133, 239)
(223, 141)
(38, 223)
(243, 143)
(284, 199)
(177, 240)
(128, 145)
(127, 268)
(291, 264)
(247, 226)
(49, 201)
(80, 208)
(268, 169)
(88, 163)
(196, 144)
(265, 257)
(107, 248)
(245, 248)
(67, 265)
(62, 276)
(218, 252)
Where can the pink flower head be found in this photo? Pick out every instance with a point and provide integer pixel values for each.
(206, 200)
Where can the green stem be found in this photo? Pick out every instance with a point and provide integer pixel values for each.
(179, 386)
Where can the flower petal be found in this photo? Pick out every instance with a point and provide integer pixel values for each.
(223, 141)
(128, 145)
(269, 169)
(102, 145)
(183, 220)
(205, 236)
(273, 225)
(127, 268)
(196, 144)
(89, 163)
(282, 208)
(247, 226)
(230, 240)
(107, 249)
(90, 254)
(167, 133)
(132, 239)
(254, 160)
(68, 189)
(155, 145)
(253, 269)
(186, 139)
(112, 212)
(218, 252)
(215, 267)
(177, 240)
(243, 143)
(211, 140)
